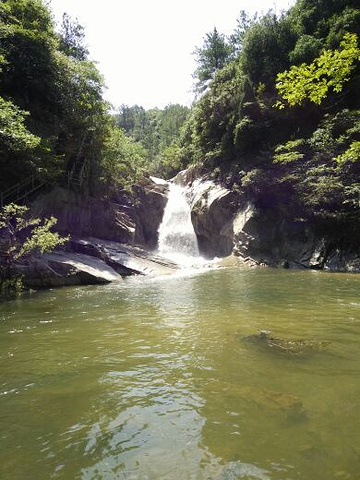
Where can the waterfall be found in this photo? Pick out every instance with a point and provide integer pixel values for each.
(177, 239)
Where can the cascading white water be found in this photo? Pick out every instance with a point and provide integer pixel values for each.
(177, 239)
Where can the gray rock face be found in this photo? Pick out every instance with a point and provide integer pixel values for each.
(150, 210)
(226, 223)
(338, 261)
(86, 216)
(64, 268)
(212, 211)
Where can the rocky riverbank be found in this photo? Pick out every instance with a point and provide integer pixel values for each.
(110, 240)
(91, 261)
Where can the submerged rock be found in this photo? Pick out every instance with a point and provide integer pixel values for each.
(267, 399)
(291, 347)
(264, 397)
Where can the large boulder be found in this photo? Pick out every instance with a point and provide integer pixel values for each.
(124, 259)
(90, 261)
(152, 199)
(267, 238)
(64, 268)
(115, 220)
(212, 211)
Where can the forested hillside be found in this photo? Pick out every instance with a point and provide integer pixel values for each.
(158, 131)
(279, 118)
(277, 115)
(54, 123)
(52, 112)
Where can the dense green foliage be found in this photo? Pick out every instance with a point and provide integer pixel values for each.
(123, 161)
(158, 132)
(22, 235)
(61, 93)
(331, 70)
(300, 161)
(54, 123)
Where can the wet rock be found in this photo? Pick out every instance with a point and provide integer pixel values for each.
(236, 261)
(129, 260)
(342, 261)
(189, 175)
(149, 211)
(91, 261)
(212, 211)
(64, 268)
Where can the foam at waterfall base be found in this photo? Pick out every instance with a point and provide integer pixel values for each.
(187, 262)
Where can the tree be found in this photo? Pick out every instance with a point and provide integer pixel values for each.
(17, 144)
(73, 38)
(123, 161)
(314, 81)
(244, 23)
(14, 136)
(265, 48)
(352, 154)
(211, 57)
(22, 235)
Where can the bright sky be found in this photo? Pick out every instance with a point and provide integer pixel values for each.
(144, 47)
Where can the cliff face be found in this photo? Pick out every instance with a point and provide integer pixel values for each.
(227, 223)
(83, 216)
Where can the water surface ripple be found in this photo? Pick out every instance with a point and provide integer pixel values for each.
(166, 378)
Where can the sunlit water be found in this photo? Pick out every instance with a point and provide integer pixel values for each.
(155, 379)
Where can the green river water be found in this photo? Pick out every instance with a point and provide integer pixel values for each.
(165, 378)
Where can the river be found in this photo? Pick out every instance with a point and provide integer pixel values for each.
(167, 378)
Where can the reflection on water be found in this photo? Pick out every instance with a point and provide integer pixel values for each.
(157, 379)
